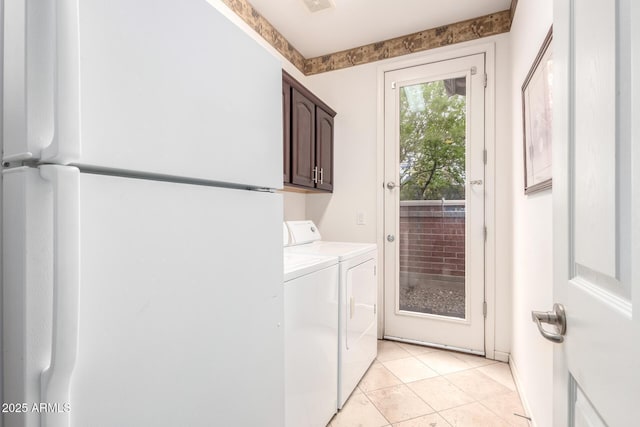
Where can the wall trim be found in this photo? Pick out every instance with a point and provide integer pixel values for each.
(463, 31)
(501, 356)
(512, 9)
(513, 366)
(442, 54)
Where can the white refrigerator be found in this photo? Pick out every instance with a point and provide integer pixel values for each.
(141, 246)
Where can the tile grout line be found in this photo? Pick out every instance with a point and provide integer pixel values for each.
(377, 409)
(412, 391)
(410, 355)
(401, 383)
(396, 377)
(442, 375)
(493, 412)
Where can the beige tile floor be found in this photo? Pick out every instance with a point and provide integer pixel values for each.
(414, 386)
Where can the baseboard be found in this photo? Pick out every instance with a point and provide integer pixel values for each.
(501, 356)
(523, 398)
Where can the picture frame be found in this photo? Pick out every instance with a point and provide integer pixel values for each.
(537, 116)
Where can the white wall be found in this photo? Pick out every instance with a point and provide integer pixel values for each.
(295, 208)
(532, 355)
(353, 93)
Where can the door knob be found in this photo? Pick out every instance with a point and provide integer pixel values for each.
(390, 237)
(391, 185)
(557, 317)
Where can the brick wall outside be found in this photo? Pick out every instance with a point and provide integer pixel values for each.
(432, 237)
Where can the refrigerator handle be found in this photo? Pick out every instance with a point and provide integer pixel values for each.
(55, 379)
(65, 144)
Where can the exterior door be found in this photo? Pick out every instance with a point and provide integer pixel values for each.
(434, 204)
(596, 212)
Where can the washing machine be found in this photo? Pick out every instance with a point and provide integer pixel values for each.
(311, 338)
(358, 284)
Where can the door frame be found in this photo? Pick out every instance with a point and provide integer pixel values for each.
(466, 333)
(435, 55)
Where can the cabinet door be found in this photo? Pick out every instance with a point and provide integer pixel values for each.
(324, 149)
(286, 131)
(303, 117)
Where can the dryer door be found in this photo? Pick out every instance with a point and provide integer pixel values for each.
(360, 302)
(358, 325)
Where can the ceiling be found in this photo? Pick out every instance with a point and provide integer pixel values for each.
(354, 23)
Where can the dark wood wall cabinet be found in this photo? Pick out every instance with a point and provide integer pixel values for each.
(308, 138)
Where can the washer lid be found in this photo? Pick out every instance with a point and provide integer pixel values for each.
(297, 265)
(342, 250)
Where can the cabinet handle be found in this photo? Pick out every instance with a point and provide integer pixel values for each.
(315, 175)
(321, 175)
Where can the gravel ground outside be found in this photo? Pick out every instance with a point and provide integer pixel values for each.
(430, 294)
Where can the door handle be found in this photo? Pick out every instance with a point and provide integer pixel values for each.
(391, 185)
(557, 317)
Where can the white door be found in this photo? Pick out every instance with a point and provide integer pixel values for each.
(434, 203)
(129, 302)
(156, 86)
(597, 212)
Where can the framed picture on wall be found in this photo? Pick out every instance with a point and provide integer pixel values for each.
(537, 120)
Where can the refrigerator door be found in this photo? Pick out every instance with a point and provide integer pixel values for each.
(168, 87)
(132, 302)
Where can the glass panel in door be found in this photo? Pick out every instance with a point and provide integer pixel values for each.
(432, 197)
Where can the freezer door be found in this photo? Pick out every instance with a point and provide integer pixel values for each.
(170, 315)
(170, 87)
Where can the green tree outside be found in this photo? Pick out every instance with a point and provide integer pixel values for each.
(432, 142)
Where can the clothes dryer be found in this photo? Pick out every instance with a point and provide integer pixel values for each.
(357, 318)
